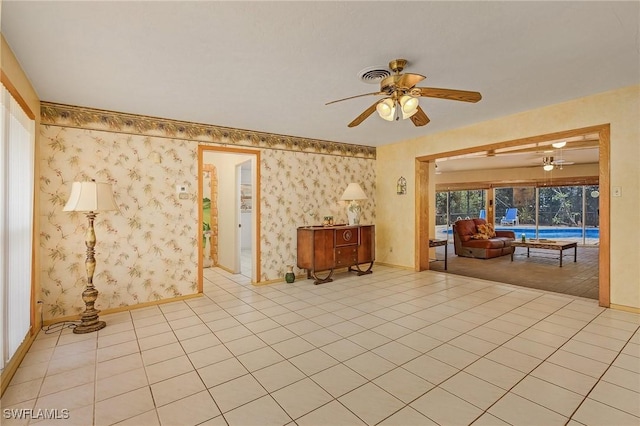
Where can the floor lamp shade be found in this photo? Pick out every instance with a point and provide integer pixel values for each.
(353, 193)
(90, 197)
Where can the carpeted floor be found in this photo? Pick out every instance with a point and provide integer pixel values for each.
(541, 270)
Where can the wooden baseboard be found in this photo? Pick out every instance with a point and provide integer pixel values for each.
(15, 361)
(391, 265)
(625, 308)
(125, 308)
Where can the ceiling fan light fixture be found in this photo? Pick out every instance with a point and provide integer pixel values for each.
(386, 109)
(408, 105)
(559, 145)
(547, 164)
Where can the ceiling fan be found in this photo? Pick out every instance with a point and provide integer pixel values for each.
(401, 97)
(549, 163)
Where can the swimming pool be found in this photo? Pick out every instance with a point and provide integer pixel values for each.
(549, 232)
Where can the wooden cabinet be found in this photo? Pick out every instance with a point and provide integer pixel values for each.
(325, 248)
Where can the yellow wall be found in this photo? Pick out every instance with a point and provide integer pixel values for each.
(621, 108)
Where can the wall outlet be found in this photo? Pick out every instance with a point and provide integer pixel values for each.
(183, 196)
(616, 191)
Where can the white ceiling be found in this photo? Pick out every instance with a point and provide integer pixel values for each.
(271, 66)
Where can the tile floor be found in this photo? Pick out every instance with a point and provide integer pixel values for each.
(392, 348)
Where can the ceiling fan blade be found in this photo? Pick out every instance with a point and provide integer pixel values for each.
(454, 95)
(409, 80)
(420, 118)
(365, 114)
(356, 96)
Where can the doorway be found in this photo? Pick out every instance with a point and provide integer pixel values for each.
(425, 191)
(228, 213)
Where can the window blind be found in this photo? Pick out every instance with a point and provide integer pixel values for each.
(17, 155)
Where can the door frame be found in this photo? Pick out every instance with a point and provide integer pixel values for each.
(255, 211)
(424, 166)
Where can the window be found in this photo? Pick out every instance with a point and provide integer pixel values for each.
(17, 132)
(454, 205)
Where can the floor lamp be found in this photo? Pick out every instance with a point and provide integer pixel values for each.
(90, 197)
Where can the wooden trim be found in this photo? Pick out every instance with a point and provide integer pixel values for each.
(625, 308)
(491, 202)
(255, 207)
(200, 219)
(125, 308)
(12, 366)
(604, 132)
(516, 142)
(422, 216)
(393, 265)
(16, 95)
(604, 260)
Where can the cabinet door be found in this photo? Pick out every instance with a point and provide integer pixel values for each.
(323, 250)
(367, 249)
(305, 248)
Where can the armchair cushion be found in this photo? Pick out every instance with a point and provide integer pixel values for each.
(486, 229)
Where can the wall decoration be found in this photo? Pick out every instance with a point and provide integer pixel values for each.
(401, 186)
(245, 198)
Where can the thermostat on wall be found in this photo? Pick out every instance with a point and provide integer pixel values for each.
(182, 192)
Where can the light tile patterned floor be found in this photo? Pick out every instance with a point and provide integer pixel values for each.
(391, 348)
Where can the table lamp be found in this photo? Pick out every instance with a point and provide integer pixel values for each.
(353, 193)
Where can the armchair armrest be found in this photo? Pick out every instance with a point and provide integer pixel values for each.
(506, 234)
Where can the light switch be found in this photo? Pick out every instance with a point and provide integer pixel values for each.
(616, 191)
(181, 189)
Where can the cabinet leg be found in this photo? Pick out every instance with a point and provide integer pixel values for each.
(360, 271)
(326, 279)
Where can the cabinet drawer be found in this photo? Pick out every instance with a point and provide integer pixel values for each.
(347, 237)
(346, 256)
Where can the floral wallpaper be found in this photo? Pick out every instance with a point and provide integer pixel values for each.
(148, 250)
(144, 252)
(299, 189)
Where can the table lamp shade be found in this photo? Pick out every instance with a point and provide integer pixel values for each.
(90, 197)
(353, 192)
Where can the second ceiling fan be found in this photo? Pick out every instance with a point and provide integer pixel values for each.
(402, 95)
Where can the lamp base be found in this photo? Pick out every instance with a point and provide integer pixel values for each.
(353, 213)
(89, 328)
(89, 319)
